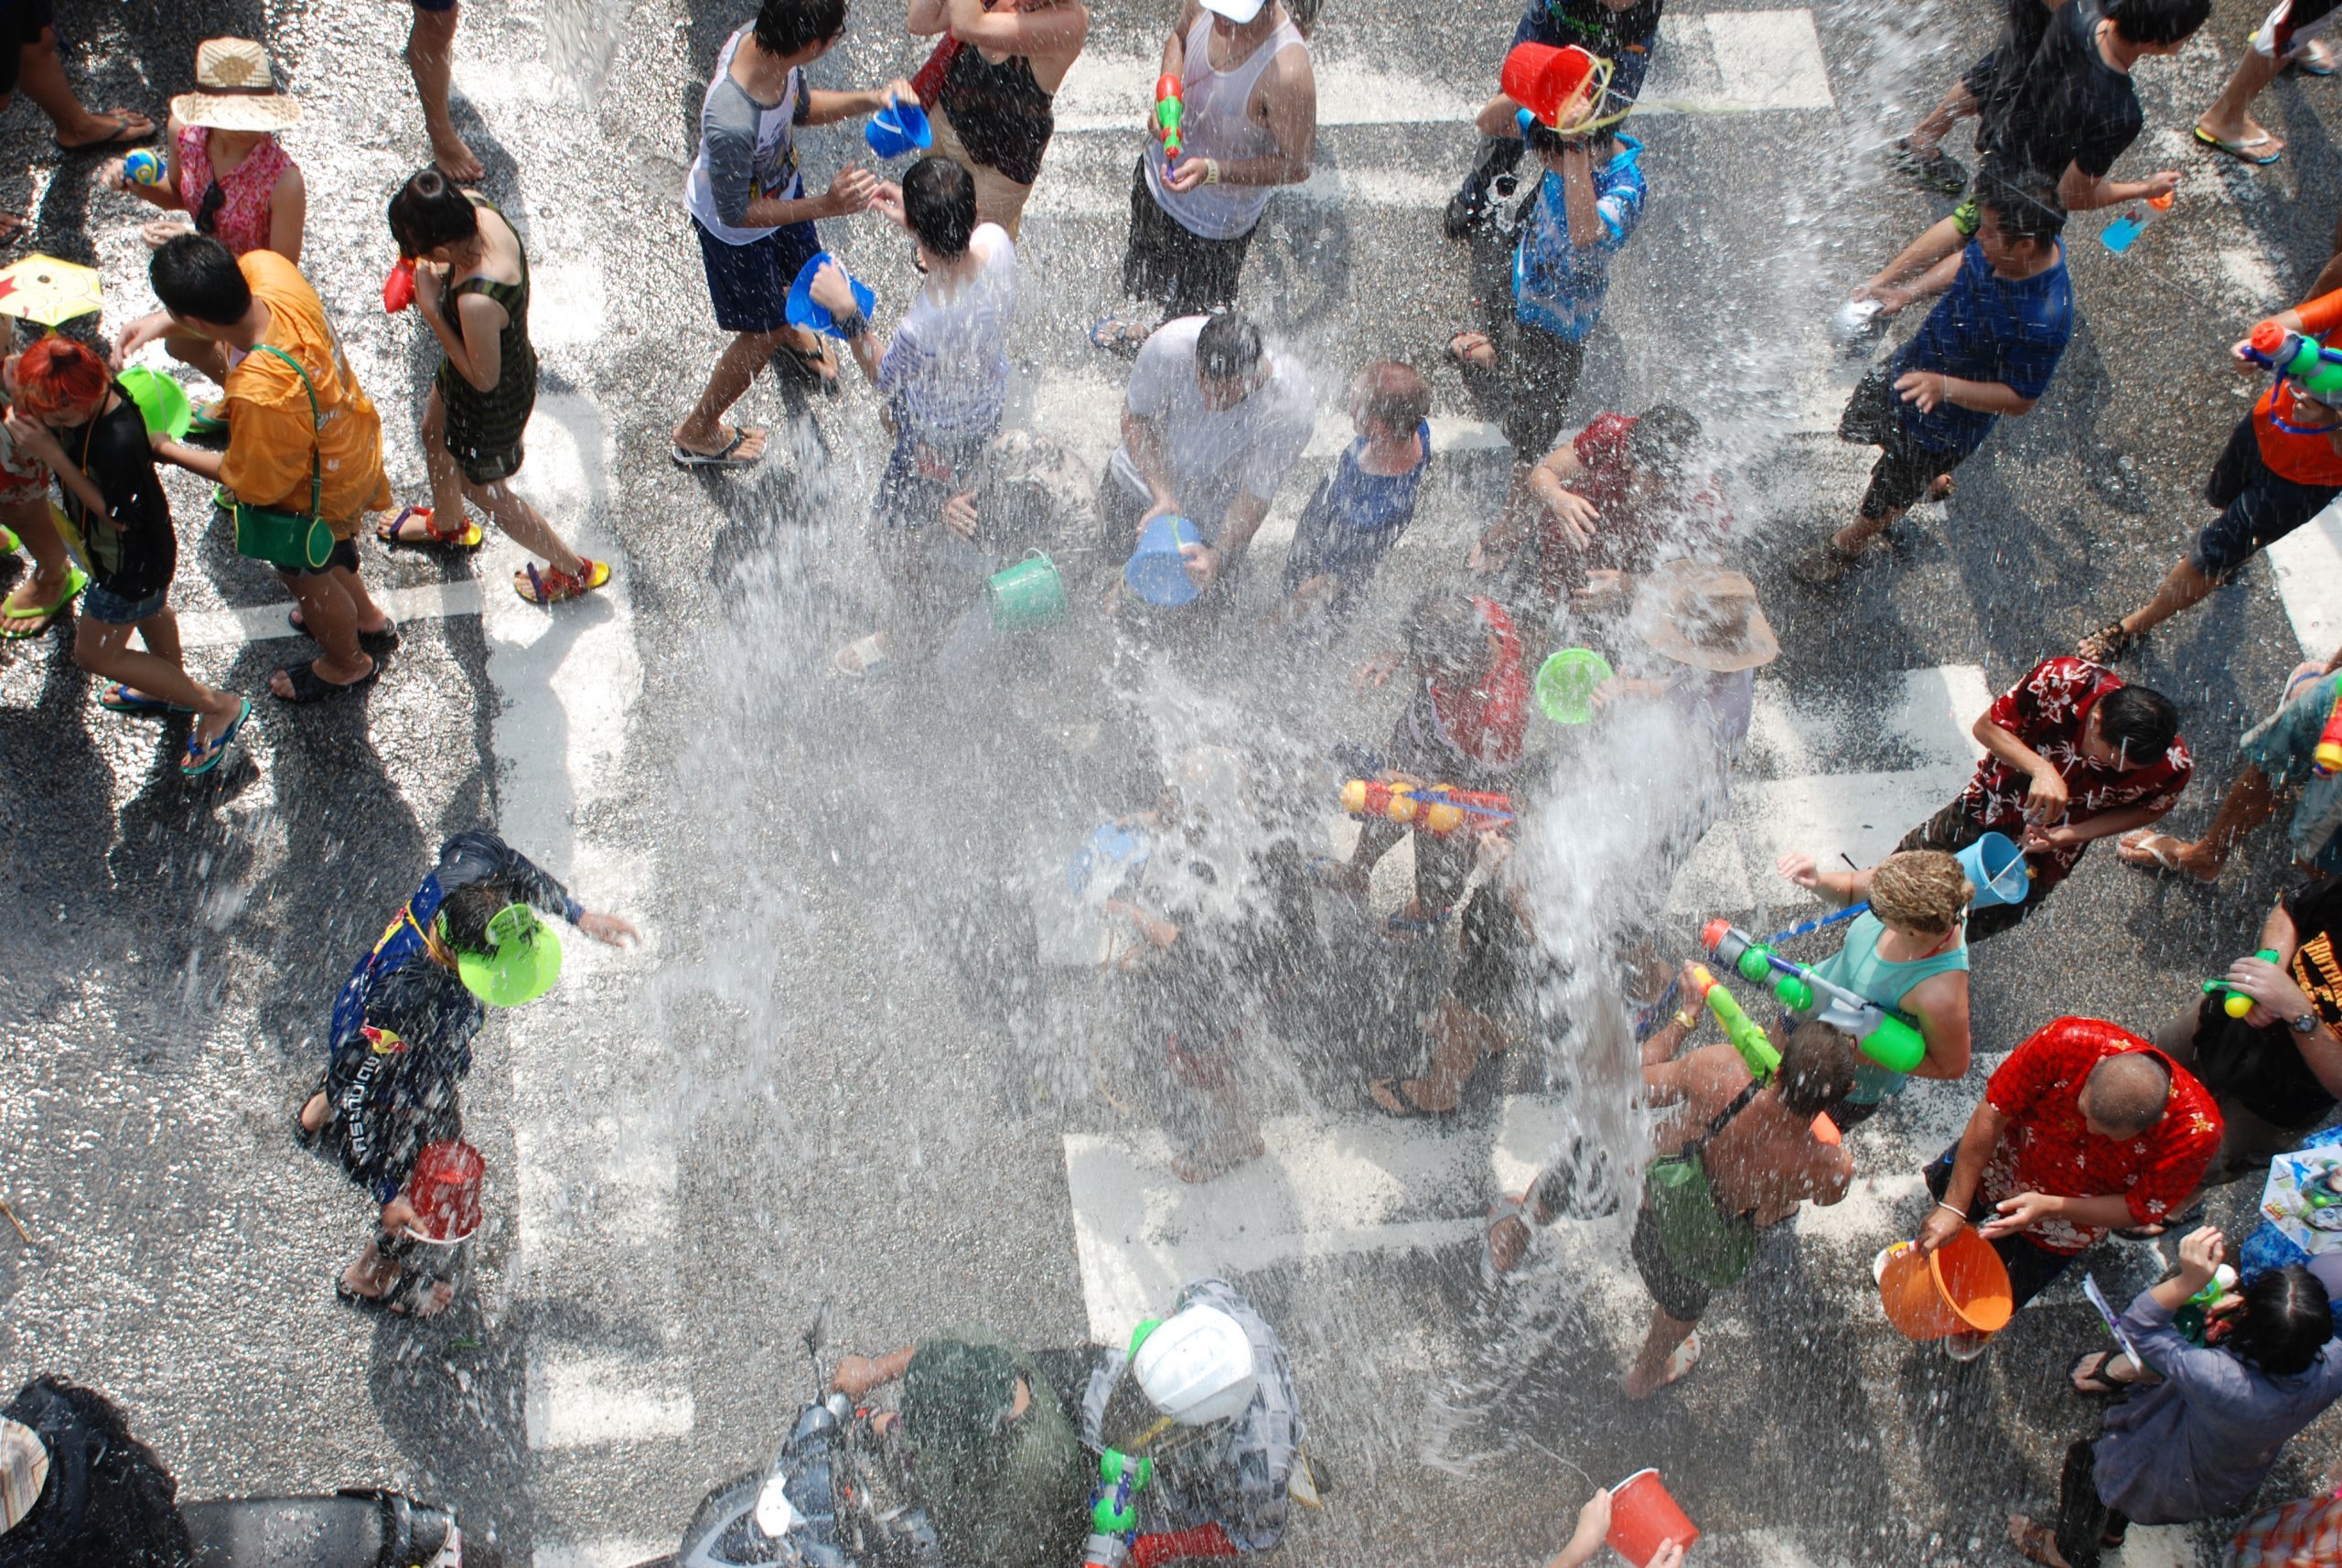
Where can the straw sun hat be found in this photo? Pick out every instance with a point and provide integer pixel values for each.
(234, 89)
(1704, 616)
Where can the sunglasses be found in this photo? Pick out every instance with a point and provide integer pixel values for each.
(207, 211)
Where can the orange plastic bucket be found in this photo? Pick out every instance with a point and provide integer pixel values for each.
(1643, 1518)
(1962, 1287)
(445, 1190)
(1546, 80)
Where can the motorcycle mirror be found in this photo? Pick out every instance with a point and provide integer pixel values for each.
(817, 1332)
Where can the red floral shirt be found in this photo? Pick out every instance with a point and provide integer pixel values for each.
(2047, 710)
(2048, 1147)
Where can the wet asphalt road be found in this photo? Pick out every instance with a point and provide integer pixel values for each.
(819, 1060)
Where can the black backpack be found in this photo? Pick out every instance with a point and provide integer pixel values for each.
(109, 1502)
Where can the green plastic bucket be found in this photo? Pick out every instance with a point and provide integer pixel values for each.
(162, 403)
(1566, 682)
(1028, 595)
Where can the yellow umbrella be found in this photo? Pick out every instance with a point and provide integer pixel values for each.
(45, 290)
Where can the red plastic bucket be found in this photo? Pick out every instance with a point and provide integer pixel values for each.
(1643, 1518)
(1545, 81)
(445, 1190)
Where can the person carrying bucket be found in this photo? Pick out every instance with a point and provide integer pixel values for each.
(1906, 951)
(2072, 755)
(1618, 33)
(2084, 1129)
(401, 1041)
(944, 377)
(1207, 1395)
(1735, 1156)
(1598, 1526)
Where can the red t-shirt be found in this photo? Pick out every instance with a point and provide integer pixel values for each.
(2048, 1148)
(1627, 535)
(2047, 710)
(1486, 724)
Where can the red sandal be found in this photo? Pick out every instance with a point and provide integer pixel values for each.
(468, 537)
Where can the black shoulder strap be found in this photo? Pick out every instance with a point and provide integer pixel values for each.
(1723, 1117)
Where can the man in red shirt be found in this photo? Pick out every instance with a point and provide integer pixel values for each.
(2072, 754)
(2085, 1128)
(2282, 466)
(1605, 499)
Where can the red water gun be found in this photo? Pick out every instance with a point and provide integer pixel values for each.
(1169, 110)
(1436, 808)
(2326, 760)
(398, 289)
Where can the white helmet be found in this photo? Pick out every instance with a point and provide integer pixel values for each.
(1196, 1368)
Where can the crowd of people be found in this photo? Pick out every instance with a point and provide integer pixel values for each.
(1608, 533)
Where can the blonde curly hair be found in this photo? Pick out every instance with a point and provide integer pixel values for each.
(1920, 890)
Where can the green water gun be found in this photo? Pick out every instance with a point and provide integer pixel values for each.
(2235, 1003)
(1886, 1037)
(1747, 1035)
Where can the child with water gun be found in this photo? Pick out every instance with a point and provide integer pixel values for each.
(1906, 953)
(2283, 464)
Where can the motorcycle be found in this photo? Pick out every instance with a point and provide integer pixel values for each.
(354, 1528)
(832, 1498)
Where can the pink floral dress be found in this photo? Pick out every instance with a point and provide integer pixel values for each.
(240, 217)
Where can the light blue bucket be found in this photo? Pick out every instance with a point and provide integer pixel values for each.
(1997, 868)
(1157, 572)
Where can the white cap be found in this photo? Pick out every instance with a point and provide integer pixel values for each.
(1197, 1368)
(1237, 11)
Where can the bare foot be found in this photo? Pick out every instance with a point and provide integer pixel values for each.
(375, 1285)
(313, 1114)
(1210, 1160)
(1509, 1235)
(2037, 1540)
(455, 159)
(2150, 851)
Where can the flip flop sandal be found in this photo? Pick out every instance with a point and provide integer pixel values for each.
(722, 458)
(2095, 1382)
(380, 640)
(123, 135)
(397, 1301)
(1462, 358)
(308, 686)
(1412, 1112)
(120, 698)
(2312, 60)
(2240, 151)
(813, 368)
(1119, 335)
(1502, 1210)
(10, 542)
(75, 581)
(467, 538)
(203, 756)
(868, 654)
(550, 588)
(1686, 1357)
(208, 418)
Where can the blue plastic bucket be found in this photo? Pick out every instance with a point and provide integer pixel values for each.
(1997, 867)
(802, 312)
(1157, 572)
(899, 128)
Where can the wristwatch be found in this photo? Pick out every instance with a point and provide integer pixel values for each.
(2307, 1024)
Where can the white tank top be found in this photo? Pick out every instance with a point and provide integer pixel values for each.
(1219, 124)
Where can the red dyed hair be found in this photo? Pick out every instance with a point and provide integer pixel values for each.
(57, 374)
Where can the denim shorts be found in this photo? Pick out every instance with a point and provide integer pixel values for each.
(102, 605)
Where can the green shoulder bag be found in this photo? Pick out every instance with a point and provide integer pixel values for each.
(289, 541)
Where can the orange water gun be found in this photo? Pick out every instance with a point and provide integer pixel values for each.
(2326, 760)
(1434, 808)
(398, 289)
(1170, 107)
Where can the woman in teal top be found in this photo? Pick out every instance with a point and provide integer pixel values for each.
(1908, 951)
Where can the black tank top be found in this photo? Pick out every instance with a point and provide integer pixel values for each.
(999, 112)
(1594, 27)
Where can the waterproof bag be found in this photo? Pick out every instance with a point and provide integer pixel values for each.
(288, 541)
(1700, 1242)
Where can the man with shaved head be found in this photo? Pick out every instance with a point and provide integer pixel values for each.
(2085, 1128)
